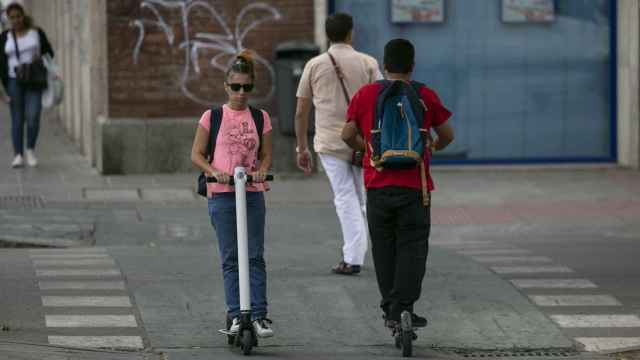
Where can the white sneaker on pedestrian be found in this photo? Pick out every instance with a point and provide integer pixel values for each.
(262, 328)
(235, 326)
(17, 161)
(31, 158)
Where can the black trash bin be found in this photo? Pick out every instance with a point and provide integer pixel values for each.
(290, 58)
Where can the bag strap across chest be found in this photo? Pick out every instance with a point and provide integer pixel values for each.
(340, 75)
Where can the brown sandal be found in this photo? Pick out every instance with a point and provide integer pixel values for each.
(345, 269)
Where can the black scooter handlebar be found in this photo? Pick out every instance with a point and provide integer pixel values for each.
(211, 179)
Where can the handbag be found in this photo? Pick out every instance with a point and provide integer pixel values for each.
(356, 156)
(202, 185)
(33, 75)
(54, 93)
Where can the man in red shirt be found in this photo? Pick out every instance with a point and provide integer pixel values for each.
(398, 215)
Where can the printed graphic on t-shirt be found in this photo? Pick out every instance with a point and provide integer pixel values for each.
(242, 145)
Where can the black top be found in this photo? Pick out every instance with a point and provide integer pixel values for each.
(45, 48)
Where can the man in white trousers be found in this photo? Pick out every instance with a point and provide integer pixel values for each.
(320, 84)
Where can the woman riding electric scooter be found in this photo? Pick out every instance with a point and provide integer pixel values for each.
(237, 143)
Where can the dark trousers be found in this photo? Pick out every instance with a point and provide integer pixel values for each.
(399, 226)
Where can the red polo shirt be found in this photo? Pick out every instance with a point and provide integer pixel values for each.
(362, 109)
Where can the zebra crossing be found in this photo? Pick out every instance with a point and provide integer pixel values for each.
(560, 292)
(85, 300)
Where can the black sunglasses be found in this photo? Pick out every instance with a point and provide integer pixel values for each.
(236, 87)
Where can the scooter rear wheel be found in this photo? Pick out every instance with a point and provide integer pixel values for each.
(407, 343)
(406, 333)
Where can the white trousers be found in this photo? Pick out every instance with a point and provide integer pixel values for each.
(349, 198)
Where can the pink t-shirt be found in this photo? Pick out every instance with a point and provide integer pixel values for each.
(236, 145)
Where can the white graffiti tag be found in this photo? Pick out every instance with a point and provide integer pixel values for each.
(225, 44)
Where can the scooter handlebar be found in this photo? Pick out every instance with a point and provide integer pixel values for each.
(211, 179)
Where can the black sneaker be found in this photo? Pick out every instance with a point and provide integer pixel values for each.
(418, 321)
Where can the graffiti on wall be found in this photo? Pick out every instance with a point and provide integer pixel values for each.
(222, 44)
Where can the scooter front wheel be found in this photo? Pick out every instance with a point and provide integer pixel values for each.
(247, 341)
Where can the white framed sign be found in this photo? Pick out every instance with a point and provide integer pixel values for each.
(417, 11)
(528, 11)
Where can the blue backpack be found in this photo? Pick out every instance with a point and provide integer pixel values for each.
(398, 136)
(399, 139)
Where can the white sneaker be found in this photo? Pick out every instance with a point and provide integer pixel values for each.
(17, 161)
(31, 158)
(262, 328)
(235, 326)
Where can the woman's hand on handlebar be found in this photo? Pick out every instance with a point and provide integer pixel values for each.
(259, 176)
(221, 178)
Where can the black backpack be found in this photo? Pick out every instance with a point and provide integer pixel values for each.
(216, 121)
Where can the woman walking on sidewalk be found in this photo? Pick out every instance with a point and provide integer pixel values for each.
(237, 141)
(20, 46)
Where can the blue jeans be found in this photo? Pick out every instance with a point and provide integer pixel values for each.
(222, 211)
(26, 105)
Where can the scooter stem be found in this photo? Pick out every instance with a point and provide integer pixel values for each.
(240, 178)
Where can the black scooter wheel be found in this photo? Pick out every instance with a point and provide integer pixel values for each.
(247, 342)
(407, 343)
(406, 333)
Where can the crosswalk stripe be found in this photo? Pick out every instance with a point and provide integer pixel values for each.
(90, 321)
(530, 269)
(495, 252)
(608, 343)
(92, 250)
(81, 285)
(89, 301)
(73, 262)
(77, 272)
(553, 283)
(596, 321)
(117, 342)
(511, 259)
(574, 300)
(69, 256)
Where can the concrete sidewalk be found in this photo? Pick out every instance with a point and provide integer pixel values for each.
(468, 305)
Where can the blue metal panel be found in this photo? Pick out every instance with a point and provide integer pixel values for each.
(519, 92)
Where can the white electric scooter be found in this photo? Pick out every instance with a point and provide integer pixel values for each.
(246, 337)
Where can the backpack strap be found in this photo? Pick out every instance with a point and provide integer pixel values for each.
(215, 122)
(417, 104)
(420, 108)
(383, 92)
(258, 120)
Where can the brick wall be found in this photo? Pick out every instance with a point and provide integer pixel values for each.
(152, 71)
